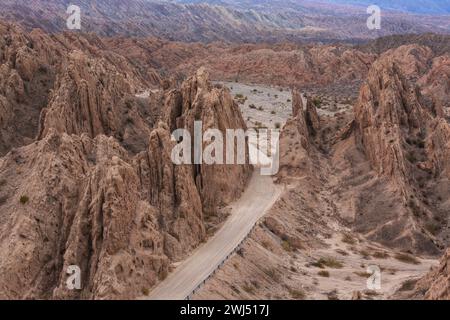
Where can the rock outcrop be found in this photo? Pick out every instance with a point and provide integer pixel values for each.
(91, 183)
(296, 138)
(405, 140)
(436, 284)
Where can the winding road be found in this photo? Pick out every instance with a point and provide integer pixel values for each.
(259, 197)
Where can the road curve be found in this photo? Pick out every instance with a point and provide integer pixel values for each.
(258, 198)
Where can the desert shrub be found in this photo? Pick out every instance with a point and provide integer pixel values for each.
(380, 255)
(2, 182)
(247, 288)
(24, 199)
(324, 273)
(297, 294)
(365, 254)
(145, 291)
(272, 273)
(327, 262)
(255, 284)
(3, 200)
(163, 274)
(277, 125)
(317, 101)
(286, 246)
(346, 238)
(252, 106)
(273, 112)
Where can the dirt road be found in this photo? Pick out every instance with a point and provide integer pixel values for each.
(259, 197)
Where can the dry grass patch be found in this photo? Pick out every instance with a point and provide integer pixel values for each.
(380, 255)
(324, 273)
(346, 238)
(297, 294)
(328, 262)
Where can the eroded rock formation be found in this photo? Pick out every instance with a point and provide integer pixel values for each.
(92, 183)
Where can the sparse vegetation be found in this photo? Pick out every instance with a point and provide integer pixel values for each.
(286, 246)
(272, 273)
(346, 238)
(2, 182)
(297, 294)
(317, 101)
(324, 273)
(3, 200)
(24, 199)
(327, 262)
(249, 289)
(365, 255)
(277, 125)
(380, 255)
(145, 291)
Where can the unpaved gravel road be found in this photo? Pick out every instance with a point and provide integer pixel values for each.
(259, 197)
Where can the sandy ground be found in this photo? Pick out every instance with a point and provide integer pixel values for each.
(272, 105)
(245, 213)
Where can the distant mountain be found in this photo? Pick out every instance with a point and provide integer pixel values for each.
(409, 6)
(418, 7)
(237, 21)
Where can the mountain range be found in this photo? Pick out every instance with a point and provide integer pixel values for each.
(228, 21)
